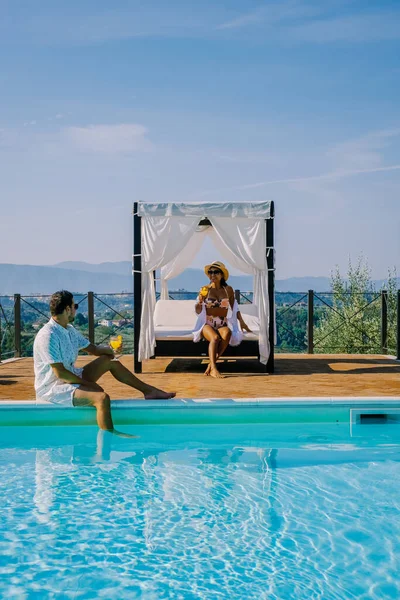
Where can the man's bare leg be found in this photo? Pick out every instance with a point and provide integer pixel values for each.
(103, 446)
(86, 396)
(94, 370)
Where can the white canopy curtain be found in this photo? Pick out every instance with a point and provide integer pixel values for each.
(246, 241)
(176, 266)
(242, 242)
(162, 240)
(171, 238)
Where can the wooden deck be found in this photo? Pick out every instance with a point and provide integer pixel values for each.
(296, 375)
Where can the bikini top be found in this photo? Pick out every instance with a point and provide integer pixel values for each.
(217, 303)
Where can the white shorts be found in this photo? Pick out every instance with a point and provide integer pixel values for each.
(62, 393)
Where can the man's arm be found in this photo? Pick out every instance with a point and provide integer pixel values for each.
(65, 375)
(99, 350)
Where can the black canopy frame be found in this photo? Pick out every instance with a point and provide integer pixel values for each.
(186, 348)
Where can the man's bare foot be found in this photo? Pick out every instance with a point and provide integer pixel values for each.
(156, 394)
(215, 373)
(123, 435)
(207, 371)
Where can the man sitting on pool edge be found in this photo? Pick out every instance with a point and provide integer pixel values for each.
(57, 380)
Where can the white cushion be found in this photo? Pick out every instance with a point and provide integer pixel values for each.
(176, 314)
(249, 309)
(168, 334)
(249, 313)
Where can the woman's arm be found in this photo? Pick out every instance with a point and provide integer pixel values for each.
(243, 325)
(231, 295)
(198, 306)
(200, 300)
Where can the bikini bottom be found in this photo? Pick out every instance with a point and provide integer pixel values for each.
(216, 322)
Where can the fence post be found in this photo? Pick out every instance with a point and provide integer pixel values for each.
(310, 322)
(137, 286)
(384, 322)
(237, 296)
(90, 302)
(398, 324)
(270, 255)
(17, 325)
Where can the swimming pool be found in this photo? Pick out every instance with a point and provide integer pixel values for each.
(246, 503)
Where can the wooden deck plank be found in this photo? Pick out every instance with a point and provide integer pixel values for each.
(296, 375)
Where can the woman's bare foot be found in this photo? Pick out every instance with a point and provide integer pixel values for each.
(207, 371)
(215, 373)
(156, 394)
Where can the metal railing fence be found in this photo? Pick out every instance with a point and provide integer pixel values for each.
(305, 321)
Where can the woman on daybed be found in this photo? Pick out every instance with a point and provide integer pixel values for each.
(218, 316)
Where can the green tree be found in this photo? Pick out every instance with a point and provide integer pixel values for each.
(353, 323)
(80, 320)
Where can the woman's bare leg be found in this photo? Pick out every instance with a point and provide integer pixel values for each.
(225, 335)
(213, 338)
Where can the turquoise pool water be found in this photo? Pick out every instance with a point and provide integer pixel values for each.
(186, 511)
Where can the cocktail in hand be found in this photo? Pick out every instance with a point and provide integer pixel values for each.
(116, 342)
(203, 293)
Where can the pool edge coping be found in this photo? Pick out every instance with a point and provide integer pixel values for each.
(191, 403)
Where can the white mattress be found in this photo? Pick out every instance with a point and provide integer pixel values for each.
(174, 320)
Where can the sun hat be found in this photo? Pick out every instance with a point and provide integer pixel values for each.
(220, 266)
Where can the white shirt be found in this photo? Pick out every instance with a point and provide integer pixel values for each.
(55, 344)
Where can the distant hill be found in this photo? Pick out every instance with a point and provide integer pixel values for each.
(29, 279)
(192, 278)
(116, 277)
(118, 268)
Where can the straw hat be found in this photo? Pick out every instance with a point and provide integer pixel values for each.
(218, 265)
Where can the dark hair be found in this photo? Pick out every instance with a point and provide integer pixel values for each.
(222, 282)
(59, 301)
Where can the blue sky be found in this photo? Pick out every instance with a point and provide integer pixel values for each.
(103, 103)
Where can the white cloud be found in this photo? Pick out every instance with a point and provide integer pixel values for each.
(286, 21)
(358, 28)
(359, 156)
(243, 20)
(274, 13)
(365, 152)
(333, 175)
(74, 23)
(112, 139)
(297, 21)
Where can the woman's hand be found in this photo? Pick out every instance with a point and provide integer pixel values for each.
(203, 293)
(199, 304)
(243, 326)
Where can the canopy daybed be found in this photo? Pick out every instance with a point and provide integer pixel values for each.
(167, 237)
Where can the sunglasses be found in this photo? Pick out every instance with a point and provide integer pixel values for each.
(212, 272)
(76, 306)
